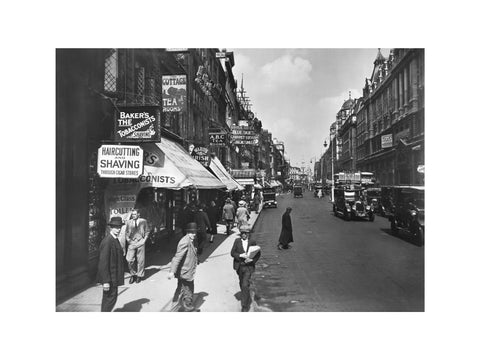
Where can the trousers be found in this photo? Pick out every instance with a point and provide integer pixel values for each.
(109, 299)
(137, 254)
(245, 273)
(183, 297)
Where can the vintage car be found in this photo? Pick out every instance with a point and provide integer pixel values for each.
(269, 197)
(373, 196)
(297, 191)
(409, 212)
(386, 200)
(351, 204)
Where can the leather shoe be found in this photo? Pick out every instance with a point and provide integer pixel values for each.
(138, 279)
(132, 279)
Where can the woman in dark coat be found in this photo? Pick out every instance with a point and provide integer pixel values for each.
(286, 236)
(212, 212)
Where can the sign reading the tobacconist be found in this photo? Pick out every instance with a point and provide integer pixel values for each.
(137, 124)
(174, 93)
(120, 161)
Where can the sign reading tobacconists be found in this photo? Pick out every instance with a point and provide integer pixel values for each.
(137, 124)
(120, 161)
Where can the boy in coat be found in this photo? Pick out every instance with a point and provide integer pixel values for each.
(243, 265)
(110, 265)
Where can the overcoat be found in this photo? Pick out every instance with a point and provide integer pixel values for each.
(237, 249)
(110, 264)
(286, 236)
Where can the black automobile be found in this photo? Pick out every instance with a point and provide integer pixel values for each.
(297, 191)
(386, 200)
(351, 204)
(373, 196)
(269, 197)
(409, 212)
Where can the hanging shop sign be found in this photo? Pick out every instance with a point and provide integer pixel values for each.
(174, 93)
(245, 165)
(244, 135)
(202, 155)
(120, 161)
(387, 141)
(217, 138)
(137, 124)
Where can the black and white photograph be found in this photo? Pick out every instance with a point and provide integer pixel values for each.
(231, 180)
(192, 157)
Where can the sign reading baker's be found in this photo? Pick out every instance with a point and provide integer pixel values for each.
(137, 124)
(120, 161)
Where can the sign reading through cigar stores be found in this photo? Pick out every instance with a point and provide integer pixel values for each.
(244, 135)
(137, 124)
(120, 161)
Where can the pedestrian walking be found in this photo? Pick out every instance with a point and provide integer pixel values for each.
(183, 267)
(243, 215)
(256, 202)
(286, 235)
(212, 213)
(110, 265)
(244, 261)
(136, 234)
(228, 214)
(203, 225)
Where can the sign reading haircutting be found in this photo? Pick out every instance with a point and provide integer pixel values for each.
(120, 161)
(174, 93)
(137, 124)
(387, 141)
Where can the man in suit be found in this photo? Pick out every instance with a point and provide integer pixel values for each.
(244, 265)
(203, 225)
(136, 234)
(183, 267)
(110, 265)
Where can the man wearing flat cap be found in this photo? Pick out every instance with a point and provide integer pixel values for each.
(183, 267)
(244, 263)
(110, 265)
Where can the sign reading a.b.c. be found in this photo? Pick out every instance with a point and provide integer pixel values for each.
(218, 138)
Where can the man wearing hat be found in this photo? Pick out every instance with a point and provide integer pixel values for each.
(183, 267)
(228, 214)
(243, 264)
(110, 265)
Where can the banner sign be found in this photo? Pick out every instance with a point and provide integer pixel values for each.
(387, 141)
(202, 155)
(217, 138)
(244, 135)
(120, 161)
(174, 93)
(137, 124)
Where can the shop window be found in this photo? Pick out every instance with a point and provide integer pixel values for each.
(152, 204)
(111, 71)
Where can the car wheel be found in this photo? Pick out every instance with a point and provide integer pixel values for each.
(419, 235)
(371, 217)
(348, 216)
(393, 226)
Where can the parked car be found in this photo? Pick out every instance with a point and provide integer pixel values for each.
(409, 212)
(297, 191)
(351, 204)
(269, 198)
(373, 196)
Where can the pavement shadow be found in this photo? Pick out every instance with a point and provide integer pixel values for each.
(199, 299)
(402, 235)
(209, 248)
(133, 306)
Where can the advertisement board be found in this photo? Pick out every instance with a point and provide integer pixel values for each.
(120, 161)
(202, 155)
(244, 135)
(218, 138)
(174, 93)
(137, 124)
(387, 141)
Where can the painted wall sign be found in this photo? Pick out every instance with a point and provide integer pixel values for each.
(174, 93)
(137, 124)
(120, 161)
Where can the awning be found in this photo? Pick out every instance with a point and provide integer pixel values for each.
(222, 174)
(245, 181)
(168, 165)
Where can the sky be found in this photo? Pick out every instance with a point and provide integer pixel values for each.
(296, 93)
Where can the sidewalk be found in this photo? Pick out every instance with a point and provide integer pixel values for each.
(216, 283)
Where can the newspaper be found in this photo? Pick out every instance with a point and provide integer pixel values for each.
(252, 251)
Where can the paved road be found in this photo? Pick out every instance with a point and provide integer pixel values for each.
(335, 265)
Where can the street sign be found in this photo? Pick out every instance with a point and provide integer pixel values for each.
(387, 141)
(120, 161)
(220, 55)
(137, 124)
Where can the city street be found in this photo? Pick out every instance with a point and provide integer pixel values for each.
(335, 265)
